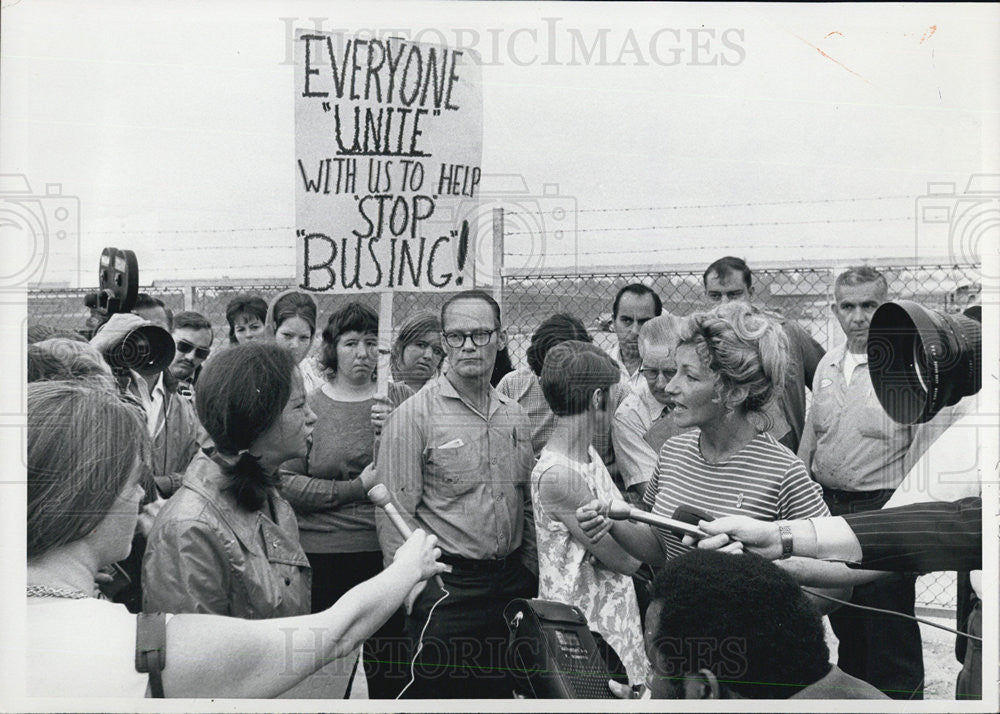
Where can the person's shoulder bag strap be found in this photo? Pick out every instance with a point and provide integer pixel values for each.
(151, 649)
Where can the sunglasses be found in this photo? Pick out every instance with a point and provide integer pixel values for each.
(183, 346)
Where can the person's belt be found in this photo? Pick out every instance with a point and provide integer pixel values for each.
(487, 565)
(838, 496)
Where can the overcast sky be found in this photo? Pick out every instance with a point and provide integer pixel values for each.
(667, 134)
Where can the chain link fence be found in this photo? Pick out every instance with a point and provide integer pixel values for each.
(803, 294)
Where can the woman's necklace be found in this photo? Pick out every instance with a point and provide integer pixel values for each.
(46, 591)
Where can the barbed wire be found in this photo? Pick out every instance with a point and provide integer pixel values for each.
(681, 206)
(623, 209)
(686, 247)
(746, 224)
(725, 225)
(180, 231)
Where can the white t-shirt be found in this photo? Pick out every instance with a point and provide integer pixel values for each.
(81, 648)
(852, 360)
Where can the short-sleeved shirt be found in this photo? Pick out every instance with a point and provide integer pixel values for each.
(629, 431)
(634, 380)
(763, 480)
(850, 443)
(566, 573)
(459, 474)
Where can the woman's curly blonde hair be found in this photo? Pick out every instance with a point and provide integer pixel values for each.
(746, 349)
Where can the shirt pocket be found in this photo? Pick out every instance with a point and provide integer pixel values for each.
(874, 422)
(458, 466)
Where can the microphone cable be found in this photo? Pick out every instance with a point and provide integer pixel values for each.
(891, 612)
(420, 643)
(685, 517)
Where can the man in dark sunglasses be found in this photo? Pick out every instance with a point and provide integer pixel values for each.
(193, 336)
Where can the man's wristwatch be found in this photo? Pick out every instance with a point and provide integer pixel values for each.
(787, 544)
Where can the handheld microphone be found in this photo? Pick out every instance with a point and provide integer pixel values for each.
(379, 495)
(691, 515)
(621, 511)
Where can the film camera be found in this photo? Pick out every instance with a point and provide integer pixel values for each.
(923, 360)
(147, 349)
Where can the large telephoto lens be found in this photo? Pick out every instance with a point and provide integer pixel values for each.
(922, 360)
(148, 350)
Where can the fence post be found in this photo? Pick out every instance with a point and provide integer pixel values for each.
(189, 298)
(498, 257)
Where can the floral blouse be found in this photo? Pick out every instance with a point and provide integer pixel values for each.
(565, 573)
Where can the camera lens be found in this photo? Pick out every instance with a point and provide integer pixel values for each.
(148, 350)
(922, 360)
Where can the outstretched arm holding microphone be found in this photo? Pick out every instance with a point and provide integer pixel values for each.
(921, 537)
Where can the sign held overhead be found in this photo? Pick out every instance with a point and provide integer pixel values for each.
(388, 142)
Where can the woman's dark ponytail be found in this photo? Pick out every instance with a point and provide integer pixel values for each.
(249, 483)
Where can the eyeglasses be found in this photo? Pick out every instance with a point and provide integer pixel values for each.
(652, 374)
(183, 346)
(457, 340)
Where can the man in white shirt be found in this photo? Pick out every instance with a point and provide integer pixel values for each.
(635, 439)
(855, 452)
(634, 305)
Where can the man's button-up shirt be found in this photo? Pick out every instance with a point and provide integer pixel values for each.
(459, 474)
(850, 443)
(635, 454)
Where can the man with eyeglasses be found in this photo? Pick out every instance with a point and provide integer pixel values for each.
(642, 422)
(457, 458)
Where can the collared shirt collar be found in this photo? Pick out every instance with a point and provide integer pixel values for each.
(447, 389)
(835, 355)
(155, 406)
(616, 355)
(651, 403)
(159, 386)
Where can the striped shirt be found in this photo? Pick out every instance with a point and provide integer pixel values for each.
(763, 480)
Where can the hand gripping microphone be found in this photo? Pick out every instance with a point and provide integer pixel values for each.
(621, 511)
(379, 495)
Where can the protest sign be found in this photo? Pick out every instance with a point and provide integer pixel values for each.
(388, 143)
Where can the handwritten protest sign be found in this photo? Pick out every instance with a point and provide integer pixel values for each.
(388, 142)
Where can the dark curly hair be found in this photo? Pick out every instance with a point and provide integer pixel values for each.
(554, 329)
(742, 618)
(352, 317)
(244, 305)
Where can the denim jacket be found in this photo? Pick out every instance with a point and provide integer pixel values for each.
(207, 554)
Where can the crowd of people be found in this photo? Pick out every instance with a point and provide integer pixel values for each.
(218, 511)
